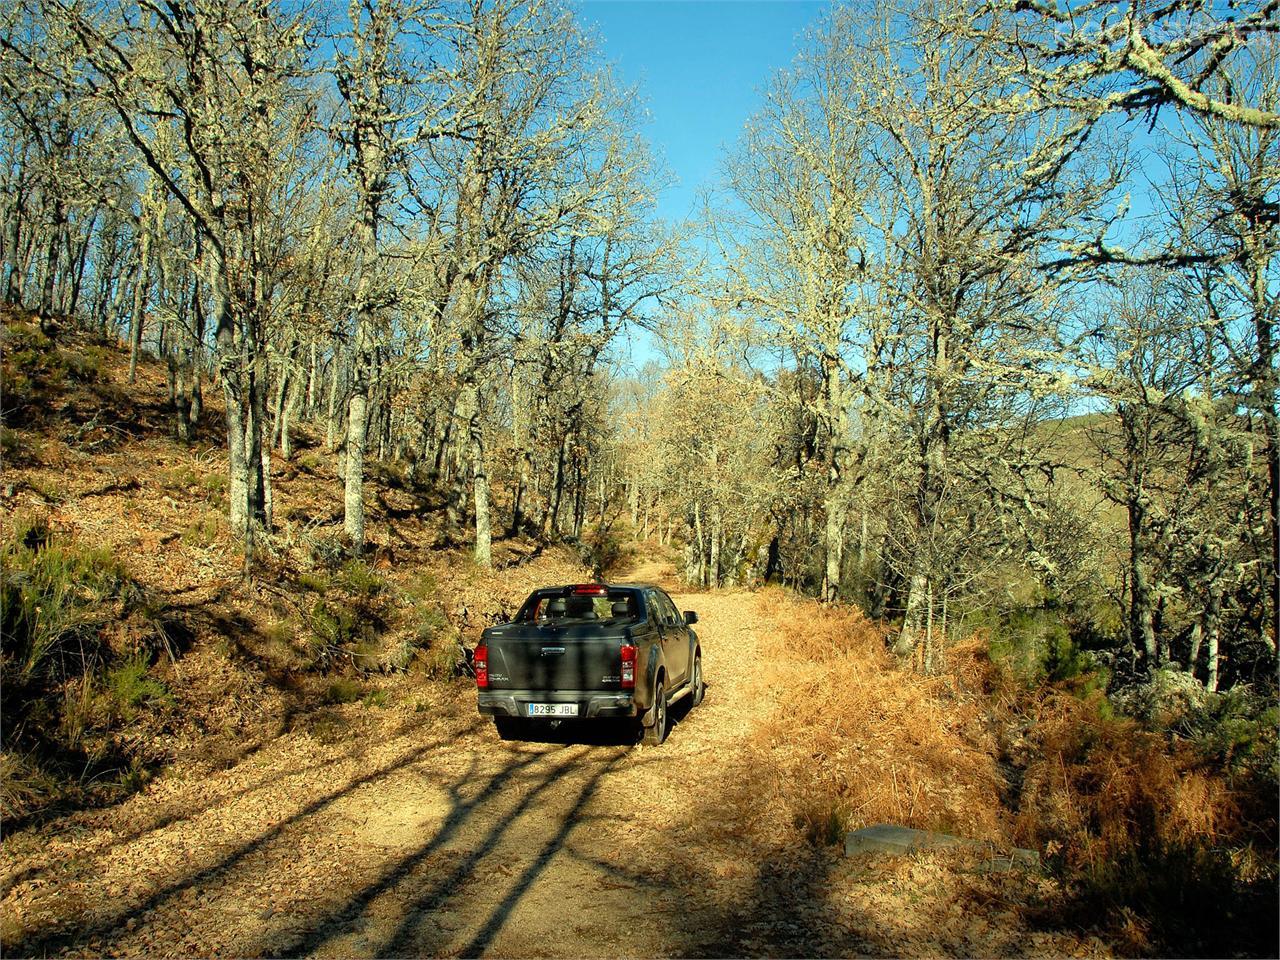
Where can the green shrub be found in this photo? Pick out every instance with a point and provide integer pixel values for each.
(327, 551)
(11, 445)
(606, 551)
(84, 366)
(431, 623)
(202, 532)
(422, 587)
(344, 690)
(1181, 899)
(33, 371)
(53, 601)
(440, 660)
(1237, 730)
(315, 582)
(72, 687)
(357, 578)
(389, 475)
(129, 686)
(179, 477)
(331, 624)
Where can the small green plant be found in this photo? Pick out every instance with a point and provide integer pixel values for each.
(440, 660)
(179, 477)
(280, 632)
(822, 824)
(53, 600)
(377, 699)
(310, 462)
(329, 727)
(312, 581)
(422, 587)
(431, 623)
(33, 369)
(202, 532)
(10, 444)
(327, 551)
(84, 366)
(389, 475)
(331, 624)
(129, 686)
(344, 690)
(357, 578)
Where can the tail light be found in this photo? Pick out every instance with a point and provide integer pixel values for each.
(480, 661)
(589, 589)
(628, 666)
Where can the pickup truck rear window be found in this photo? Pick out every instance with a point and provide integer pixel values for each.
(559, 606)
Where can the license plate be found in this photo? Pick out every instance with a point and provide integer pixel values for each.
(553, 709)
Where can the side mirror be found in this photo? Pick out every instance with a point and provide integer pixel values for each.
(690, 617)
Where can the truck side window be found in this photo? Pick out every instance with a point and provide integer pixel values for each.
(669, 614)
(654, 607)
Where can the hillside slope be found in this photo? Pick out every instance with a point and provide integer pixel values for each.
(171, 654)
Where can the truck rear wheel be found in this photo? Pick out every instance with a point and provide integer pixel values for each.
(654, 735)
(510, 728)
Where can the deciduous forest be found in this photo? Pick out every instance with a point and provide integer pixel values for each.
(331, 329)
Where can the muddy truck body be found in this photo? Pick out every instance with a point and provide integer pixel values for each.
(589, 652)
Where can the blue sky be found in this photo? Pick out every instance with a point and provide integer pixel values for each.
(699, 65)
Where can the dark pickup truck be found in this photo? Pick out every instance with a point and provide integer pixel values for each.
(589, 651)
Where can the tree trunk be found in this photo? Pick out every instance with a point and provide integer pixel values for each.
(717, 536)
(140, 295)
(353, 489)
(287, 415)
(331, 415)
(1212, 630)
(480, 477)
(45, 309)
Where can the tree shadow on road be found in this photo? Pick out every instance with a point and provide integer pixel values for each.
(117, 915)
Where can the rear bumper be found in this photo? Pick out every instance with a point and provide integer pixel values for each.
(514, 703)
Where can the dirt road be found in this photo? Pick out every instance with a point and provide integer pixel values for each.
(435, 838)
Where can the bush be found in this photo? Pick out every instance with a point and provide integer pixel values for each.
(129, 686)
(53, 601)
(33, 370)
(314, 582)
(327, 551)
(76, 643)
(202, 532)
(1237, 731)
(85, 366)
(1143, 828)
(310, 461)
(358, 579)
(606, 551)
(344, 690)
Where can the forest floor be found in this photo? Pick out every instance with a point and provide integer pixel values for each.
(279, 822)
(428, 835)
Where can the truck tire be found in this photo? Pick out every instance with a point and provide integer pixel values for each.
(510, 728)
(654, 735)
(699, 685)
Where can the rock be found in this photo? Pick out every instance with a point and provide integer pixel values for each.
(887, 838)
(891, 839)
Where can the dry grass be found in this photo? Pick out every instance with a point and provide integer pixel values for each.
(1152, 839)
(856, 741)
(1099, 785)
